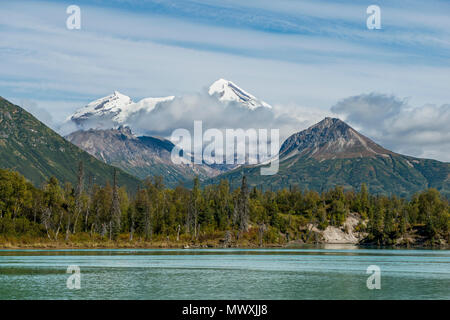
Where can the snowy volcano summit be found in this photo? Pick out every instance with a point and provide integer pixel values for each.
(118, 109)
(227, 91)
(109, 106)
(113, 110)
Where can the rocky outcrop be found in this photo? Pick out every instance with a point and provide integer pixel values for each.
(343, 235)
(140, 156)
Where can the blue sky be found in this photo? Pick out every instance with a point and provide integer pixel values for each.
(301, 56)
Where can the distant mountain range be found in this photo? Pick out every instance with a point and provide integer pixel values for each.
(332, 153)
(327, 154)
(37, 152)
(112, 110)
(116, 109)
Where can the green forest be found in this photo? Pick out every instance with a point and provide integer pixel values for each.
(87, 214)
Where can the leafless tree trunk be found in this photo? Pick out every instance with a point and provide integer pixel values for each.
(261, 229)
(68, 226)
(242, 210)
(197, 233)
(227, 240)
(86, 217)
(115, 210)
(148, 221)
(104, 230)
(59, 226)
(92, 229)
(195, 226)
(91, 195)
(78, 194)
(178, 232)
(46, 215)
(131, 225)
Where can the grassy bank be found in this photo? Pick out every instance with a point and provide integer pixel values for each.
(86, 241)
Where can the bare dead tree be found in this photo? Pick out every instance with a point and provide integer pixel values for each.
(59, 226)
(131, 222)
(148, 229)
(46, 216)
(78, 194)
(243, 206)
(88, 206)
(227, 239)
(115, 210)
(261, 230)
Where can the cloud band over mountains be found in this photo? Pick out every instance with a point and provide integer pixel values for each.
(420, 131)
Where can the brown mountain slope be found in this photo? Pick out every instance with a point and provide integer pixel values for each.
(331, 138)
(139, 156)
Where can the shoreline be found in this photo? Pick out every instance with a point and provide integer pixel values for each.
(114, 246)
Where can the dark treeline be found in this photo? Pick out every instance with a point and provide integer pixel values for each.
(244, 215)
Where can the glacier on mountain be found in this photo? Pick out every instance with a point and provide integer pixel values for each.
(117, 109)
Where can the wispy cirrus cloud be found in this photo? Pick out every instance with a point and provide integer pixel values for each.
(314, 45)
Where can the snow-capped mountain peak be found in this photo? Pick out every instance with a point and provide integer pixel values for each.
(227, 91)
(146, 104)
(109, 105)
(118, 109)
(113, 109)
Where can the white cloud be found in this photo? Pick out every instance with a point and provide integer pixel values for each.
(151, 55)
(183, 111)
(392, 122)
(41, 114)
(159, 55)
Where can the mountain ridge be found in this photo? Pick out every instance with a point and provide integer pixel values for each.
(115, 109)
(331, 138)
(332, 153)
(142, 156)
(37, 152)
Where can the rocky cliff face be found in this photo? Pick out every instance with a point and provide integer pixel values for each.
(346, 234)
(140, 156)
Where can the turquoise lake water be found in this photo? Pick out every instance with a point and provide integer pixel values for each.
(338, 272)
